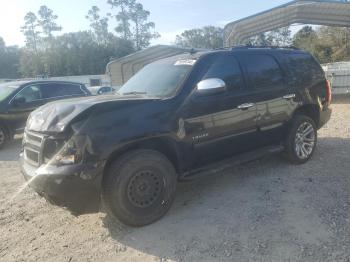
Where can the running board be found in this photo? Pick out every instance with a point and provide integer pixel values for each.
(230, 162)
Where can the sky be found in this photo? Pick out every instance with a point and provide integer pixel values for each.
(170, 16)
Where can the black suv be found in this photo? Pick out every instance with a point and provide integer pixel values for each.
(172, 120)
(19, 99)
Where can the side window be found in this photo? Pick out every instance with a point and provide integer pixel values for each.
(52, 90)
(30, 94)
(303, 68)
(74, 89)
(226, 68)
(263, 71)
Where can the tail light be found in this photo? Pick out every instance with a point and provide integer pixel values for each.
(328, 92)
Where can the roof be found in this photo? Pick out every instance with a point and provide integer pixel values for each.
(122, 69)
(320, 12)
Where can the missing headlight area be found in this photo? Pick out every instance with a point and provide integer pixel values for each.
(40, 149)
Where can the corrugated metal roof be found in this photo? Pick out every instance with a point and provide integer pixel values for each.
(320, 12)
(121, 70)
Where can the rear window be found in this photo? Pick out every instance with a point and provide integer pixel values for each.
(263, 71)
(303, 68)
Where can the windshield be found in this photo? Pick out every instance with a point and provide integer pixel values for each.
(6, 90)
(160, 79)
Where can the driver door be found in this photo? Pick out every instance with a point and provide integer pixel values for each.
(24, 102)
(222, 124)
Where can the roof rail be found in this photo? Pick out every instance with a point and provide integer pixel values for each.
(263, 46)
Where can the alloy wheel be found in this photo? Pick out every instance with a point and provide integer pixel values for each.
(305, 140)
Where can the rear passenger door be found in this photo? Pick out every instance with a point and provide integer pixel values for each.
(272, 98)
(218, 126)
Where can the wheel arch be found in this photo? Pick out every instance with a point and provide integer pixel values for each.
(163, 145)
(310, 110)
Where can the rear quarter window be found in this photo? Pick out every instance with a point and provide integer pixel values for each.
(302, 69)
(73, 89)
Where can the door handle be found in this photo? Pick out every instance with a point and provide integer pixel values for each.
(245, 106)
(290, 96)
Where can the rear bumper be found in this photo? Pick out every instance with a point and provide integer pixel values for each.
(325, 116)
(76, 187)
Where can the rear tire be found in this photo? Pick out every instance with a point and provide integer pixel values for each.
(301, 140)
(140, 187)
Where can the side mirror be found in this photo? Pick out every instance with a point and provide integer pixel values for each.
(211, 86)
(18, 101)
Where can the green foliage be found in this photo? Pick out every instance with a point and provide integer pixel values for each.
(278, 37)
(74, 54)
(9, 60)
(327, 44)
(79, 53)
(208, 37)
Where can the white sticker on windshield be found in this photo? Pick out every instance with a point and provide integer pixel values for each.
(185, 62)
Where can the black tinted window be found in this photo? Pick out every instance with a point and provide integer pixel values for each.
(52, 90)
(303, 68)
(226, 68)
(73, 89)
(30, 94)
(263, 71)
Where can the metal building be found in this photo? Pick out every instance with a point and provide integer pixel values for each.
(121, 70)
(339, 75)
(318, 12)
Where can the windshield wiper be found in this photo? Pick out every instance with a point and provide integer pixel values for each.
(135, 93)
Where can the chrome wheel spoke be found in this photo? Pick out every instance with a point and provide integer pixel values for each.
(310, 140)
(308, 131)
(303, 152)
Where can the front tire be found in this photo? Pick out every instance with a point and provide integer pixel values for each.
(140, 187)
(301, 140)
(3, 136)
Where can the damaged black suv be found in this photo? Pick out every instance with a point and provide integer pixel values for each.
(173, 120)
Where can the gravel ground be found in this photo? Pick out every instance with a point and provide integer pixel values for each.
(266, 210)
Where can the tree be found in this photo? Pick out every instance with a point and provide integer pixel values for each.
(122, 17)
(208, 37)
(9, 60)
(133, 22)
(74, 54)
(99, 25)
(142, 33)
(277, 37)
(327, 44)
(305, 38)
(30, 31)
(2, 44)
(47, 21)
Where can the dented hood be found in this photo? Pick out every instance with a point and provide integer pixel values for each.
(54, 117)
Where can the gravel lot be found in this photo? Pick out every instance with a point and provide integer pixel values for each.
(266, 210)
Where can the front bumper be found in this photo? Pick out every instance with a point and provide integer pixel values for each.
(75, 187)
(325, 116)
